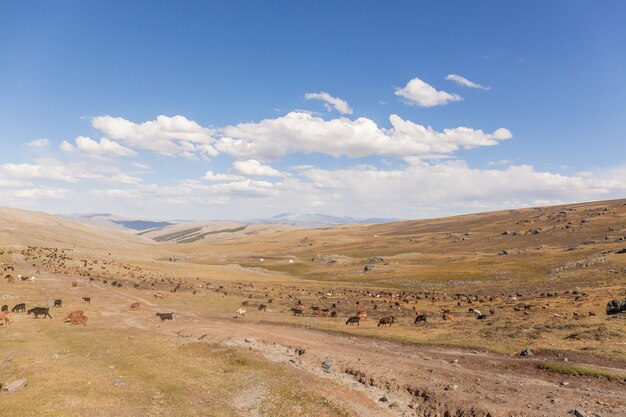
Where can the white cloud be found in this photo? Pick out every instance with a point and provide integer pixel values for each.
(338, 104)
(302, 132)
(418, 92)
(210, 176)
(105, 147)
(39, 143)
(465, 82)
(500, 162)
(253, 168)
(42, 193)
(170, 136)
(142, 166)
(66, 146)
(126, 179)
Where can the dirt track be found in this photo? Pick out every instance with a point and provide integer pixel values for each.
(410, 380)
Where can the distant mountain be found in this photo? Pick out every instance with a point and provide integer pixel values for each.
(316, 220)
(115, 222)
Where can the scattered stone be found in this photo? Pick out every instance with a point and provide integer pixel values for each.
(327, 365)
(249, 340)
(621, 251)
(324, 259)
(576, 413)
(564, 383)
(375, 260)
(157, 396)
(368, 268)
(119, 384)
(16, 385)
(451, 387)
(56, 356)
(526, 352)
(383, 399)
(7, 361)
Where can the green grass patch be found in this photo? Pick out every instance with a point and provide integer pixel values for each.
(580, 371)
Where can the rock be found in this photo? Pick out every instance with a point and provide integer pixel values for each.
(621, 251)
(7, 361)
(615, 307)
(526, 352)
(383, 399)
(374, 260)
(55, 356)
(306, 242)
(327, 365)
(249, 340)
(16, 385)
(119, 384)
(451, 387)
(503, 252)
(535, 231)
(576, 413)
(564, 383)
(323, 259)
(368, 268)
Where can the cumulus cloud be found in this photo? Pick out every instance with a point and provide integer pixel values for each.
(210, 176)
(169, 136)
(465, 82)
(330, 102)
(39, 143)
(105, 147)
(253, 168)
(66, 146)
(302, 132)
(418, 92)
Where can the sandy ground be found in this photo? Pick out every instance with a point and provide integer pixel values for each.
(397, 379)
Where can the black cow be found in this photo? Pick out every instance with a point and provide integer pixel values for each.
(87, 300)
(40, 310)
(58, 303)
(165, 316)
(422, 318)
(384, 321)
(5, 308)
(296, 311)
(19, 308)
(481, 317)
(262, 307)
(333, 314)
(352, 320)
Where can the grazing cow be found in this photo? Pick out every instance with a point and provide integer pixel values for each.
(481, 317)
(158, 295)
(5, 308)
(448, 317)
(297, 311)
(79, 320)
(362, 314)
(40, 310)
(591, 313)
(72, 315)
(477, 313)
(421, 318)
(165, 316)
(352, 320)
(135, 306)
(5, 316)
(19, 308)
(241, 312)
(87, 300)
(262, 307)
(384, 321)
(58, 303)
(333, 314)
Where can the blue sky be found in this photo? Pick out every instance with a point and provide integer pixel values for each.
(149, 96)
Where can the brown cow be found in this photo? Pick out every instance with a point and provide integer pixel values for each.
(72, 315)
(6, 317)
(362, 314)
(79, 320)
(448, 317)
(158, 295)
(135, 306)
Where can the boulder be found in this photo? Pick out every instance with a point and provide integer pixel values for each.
(323, 259)
(375, 260)
(327, 365)
(615, 307)
(16, 385)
